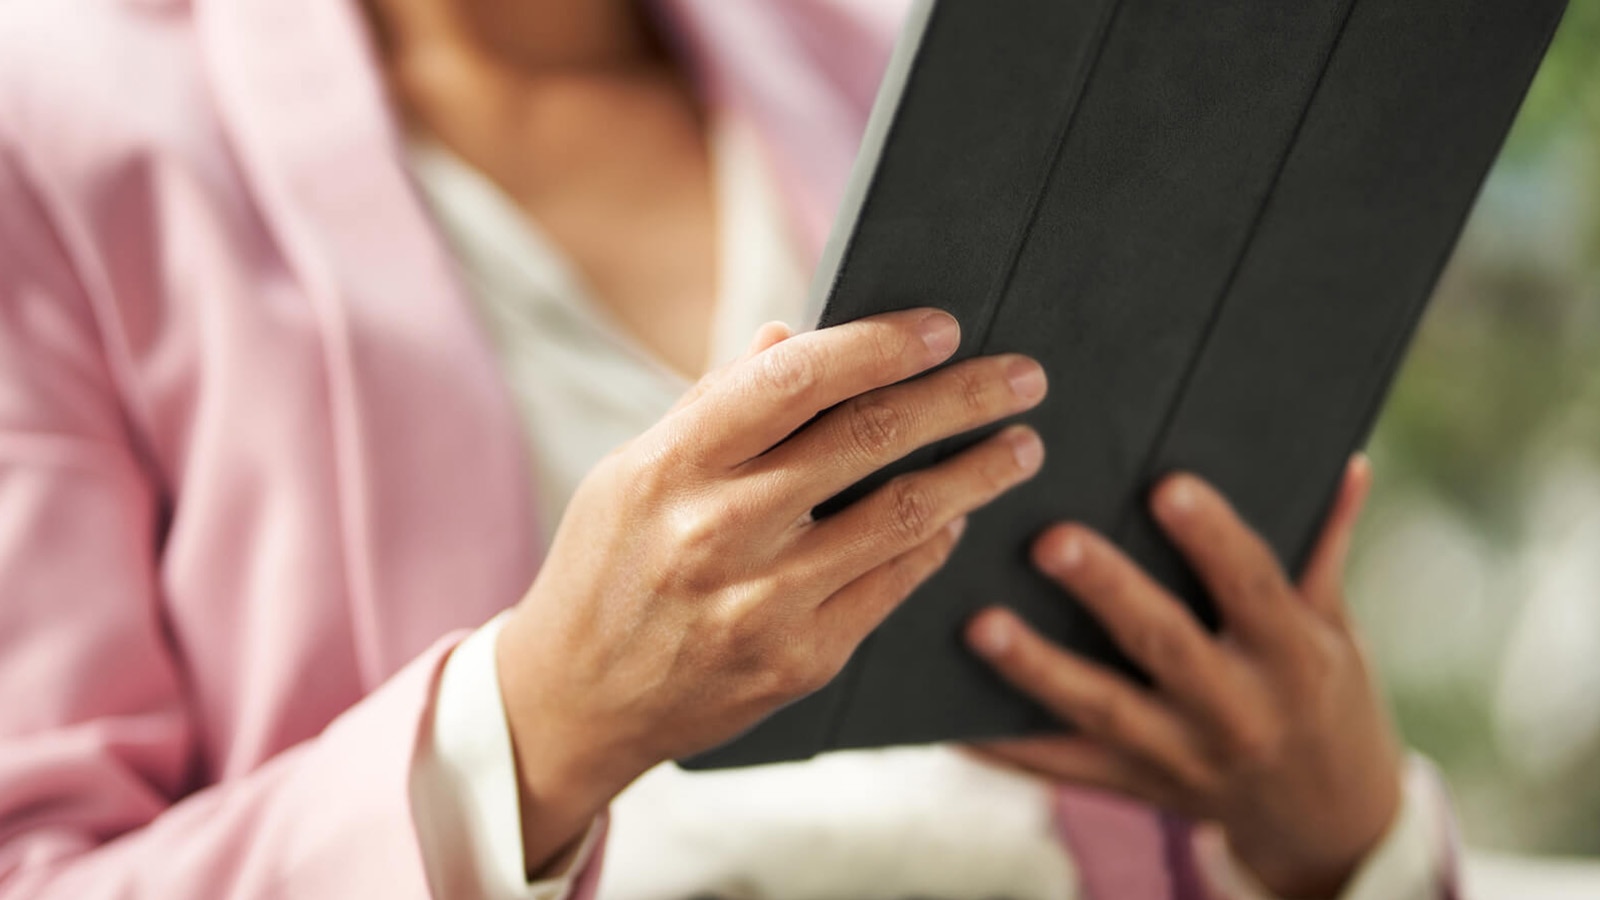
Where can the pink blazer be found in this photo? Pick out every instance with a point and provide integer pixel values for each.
(258, 469)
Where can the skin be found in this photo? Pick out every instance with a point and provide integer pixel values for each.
(1273, 729)
(578, 114)
(688, 594)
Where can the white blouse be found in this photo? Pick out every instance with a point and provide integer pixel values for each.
(916, 822)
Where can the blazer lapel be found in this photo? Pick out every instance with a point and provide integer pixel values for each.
(433, 499)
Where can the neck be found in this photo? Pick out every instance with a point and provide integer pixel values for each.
(526, 36)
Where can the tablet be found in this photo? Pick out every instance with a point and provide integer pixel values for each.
(1215, 224)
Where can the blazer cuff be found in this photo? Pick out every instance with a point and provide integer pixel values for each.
(466, 796)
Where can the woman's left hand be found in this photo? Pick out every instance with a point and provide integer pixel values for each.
(1272, 729)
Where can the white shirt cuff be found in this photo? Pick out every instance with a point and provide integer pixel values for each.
(464, 792)
(1412, 862)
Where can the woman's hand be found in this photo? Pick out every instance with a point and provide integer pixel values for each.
(1273, 730)
(688, 593)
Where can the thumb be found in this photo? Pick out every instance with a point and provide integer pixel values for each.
(1322, 585)
(767, 336)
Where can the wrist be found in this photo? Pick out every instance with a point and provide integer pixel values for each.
(1317, 867)
(1294, 880)
(567, 772)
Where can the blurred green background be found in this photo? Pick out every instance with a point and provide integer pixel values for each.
(1478, 570)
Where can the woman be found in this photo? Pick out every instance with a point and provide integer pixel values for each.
(309, 313)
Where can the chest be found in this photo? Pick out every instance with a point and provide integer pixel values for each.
(586, 379)
(619, 178)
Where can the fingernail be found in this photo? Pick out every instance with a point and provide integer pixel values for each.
(941, 333)
(1027, 379)
(957, 528)
(992, 636)
(1178, 498)
(1069, 554)
(1028, 450)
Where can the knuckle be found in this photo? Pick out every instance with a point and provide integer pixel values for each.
(1157, 644)
(697, 536)
(875, 429)
(890, 346)
(748, 502)
(789, 376)
(726, 632)
(794, 671)
(812, 678)
(911, 509)
(1182, 650)
(1255, 746)
(646, 468)
(973, 390)
(783, 585)
(694, 529)
(1320, 667)
(1106, 715)
(1261, 587)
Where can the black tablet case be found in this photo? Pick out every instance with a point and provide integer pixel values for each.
(1216, 222)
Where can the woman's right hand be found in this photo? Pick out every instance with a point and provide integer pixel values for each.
(688, 592)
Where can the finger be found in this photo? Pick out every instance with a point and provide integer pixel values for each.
(1103, 705)
(767, 336)
(1239, 570)
(1152, 627)
(912, 508)
(764, 399)
(1083, 762)
(873, 430)
(861, 606)
(1322, 583)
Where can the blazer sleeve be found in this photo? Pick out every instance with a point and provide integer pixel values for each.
(98, 794)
